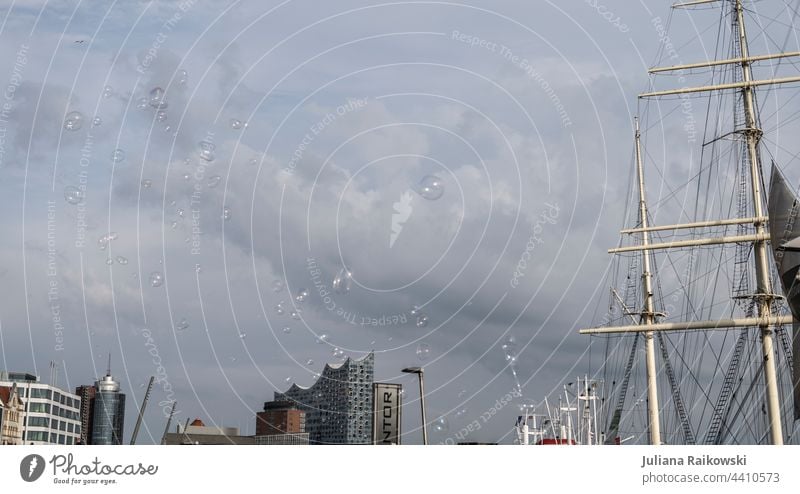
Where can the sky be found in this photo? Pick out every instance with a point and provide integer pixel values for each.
(460, 167)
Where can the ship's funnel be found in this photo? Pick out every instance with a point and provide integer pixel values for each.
(784, 230)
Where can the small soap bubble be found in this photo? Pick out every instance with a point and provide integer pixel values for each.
(122, 260)
(73, 120)
(423, 351)
(157, 98)
(277, 286)
(287, 330)
(302, 295)
(207, 150)
(213, 181)
(422, 320)
(156, 279)
(183, 324)
(96, 121)
(343, 281)
(182, 77)
(431, 187)
(118, 155)
(147, 183)
(236, 124)
(108, 92)
(73, 195)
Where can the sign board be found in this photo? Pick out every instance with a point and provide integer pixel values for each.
(386, 413)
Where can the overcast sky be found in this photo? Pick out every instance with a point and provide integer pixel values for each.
(324, 117)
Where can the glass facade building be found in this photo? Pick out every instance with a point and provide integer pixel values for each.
(109, 412)
(339, 405)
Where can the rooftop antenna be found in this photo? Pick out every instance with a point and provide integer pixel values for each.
(108, 372)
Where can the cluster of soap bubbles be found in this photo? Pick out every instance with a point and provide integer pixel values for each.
(104, 240)
(509, 348)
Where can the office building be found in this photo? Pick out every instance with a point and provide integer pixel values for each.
(108, 417)
(338, 406)
(280, 417)
(52, 415)
(86, 393)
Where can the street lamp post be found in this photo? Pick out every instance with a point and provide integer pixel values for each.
(418, 371)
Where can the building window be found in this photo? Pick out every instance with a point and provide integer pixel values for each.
(38, 422)
(62, 439)
(40, 393)
(36, 436)
(69, 439)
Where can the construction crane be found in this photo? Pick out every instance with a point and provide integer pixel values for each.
(141, 410)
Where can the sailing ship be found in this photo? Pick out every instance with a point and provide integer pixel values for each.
(701, 300)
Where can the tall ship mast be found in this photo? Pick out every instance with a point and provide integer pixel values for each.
(701, 300)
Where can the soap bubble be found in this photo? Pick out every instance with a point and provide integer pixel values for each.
(309, 362)
(288, 379)
(157, 100)
(108, 92)
(161, 116)
(422, 320)
(242, 336)
(213, 181)
(207, 150)
(141, 103)
(96, 121)
(277, 286)
(441, 424)
(122, 260)
(280, 309)
(236, 124)
(338, 353)
(253, 161)
(343, 281)
(423, 351)
(226, 213)
(431, 187)
(117, 155)
(287, 330)
(296, 314)
(182, 77)
(147, 183)
(73, 120)
(72, 194)
(415, 310)
(110, 261)
(156, 279)
(183, 324)
(302, 295)
(323, 338)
